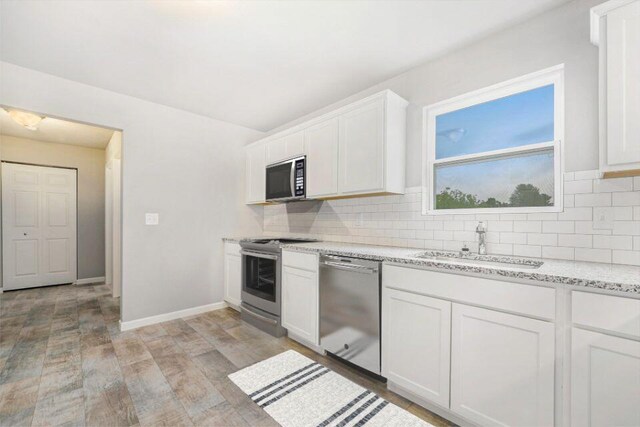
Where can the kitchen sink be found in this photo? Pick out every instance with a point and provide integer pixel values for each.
(481, 260)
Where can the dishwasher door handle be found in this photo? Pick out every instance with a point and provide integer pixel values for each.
(350, 267)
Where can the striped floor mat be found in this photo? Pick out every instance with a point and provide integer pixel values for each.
(297, 392)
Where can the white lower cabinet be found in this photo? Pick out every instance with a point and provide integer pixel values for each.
(416, 333)
(232, 274)
(300, 297)
(605, 380)
(502, 368)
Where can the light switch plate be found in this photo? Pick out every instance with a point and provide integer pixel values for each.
(151, 219)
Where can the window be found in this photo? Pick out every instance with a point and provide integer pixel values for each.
(497, 149)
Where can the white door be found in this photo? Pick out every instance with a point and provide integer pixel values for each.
(605, 380)
(321, 144)
(502, 368)
(285, 148)
(232, 274)
(416, 344)
(255, 173)
(300, 303)
(39, 226)
(362, 149)
(623, 85)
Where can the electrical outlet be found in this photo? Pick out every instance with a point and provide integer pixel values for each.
(151, 219)
(603, 218)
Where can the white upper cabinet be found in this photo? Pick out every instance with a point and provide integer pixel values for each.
(286, 147)
(255, 173)
(321, 142)
(615, 27)
(355, 150)
(361, 160)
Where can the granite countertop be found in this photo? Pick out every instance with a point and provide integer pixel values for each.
(610, 277)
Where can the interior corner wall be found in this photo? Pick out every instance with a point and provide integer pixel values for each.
(90, 165)
(558, 36)
(186, 167)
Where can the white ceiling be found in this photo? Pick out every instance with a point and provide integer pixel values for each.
(255, 63)
(56, 130)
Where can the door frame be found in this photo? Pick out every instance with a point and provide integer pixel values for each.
(1, 213)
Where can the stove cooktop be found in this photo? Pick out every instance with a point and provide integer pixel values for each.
(279, 241)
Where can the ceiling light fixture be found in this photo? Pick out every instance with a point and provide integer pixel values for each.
(25, 119)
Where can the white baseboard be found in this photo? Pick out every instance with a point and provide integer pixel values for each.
(145, 321)
(90, 280)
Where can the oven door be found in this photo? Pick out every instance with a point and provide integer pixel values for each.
(261, 280)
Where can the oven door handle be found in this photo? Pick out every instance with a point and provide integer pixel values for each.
(258, 254)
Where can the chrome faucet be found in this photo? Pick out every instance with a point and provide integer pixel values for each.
(481, 229)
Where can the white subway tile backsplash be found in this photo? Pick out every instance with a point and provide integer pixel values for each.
(516, 238)
(575, 240)
(590, 174)
(593, 199)
(558, 253)
(567, 227)
(630, 198)
(398, 220)
(613, 242)
(576, 214)
(612, 185)
(626, 257)
(527, 251)
(527, 226)
(542, 239)
(578, 187)
(594, 255)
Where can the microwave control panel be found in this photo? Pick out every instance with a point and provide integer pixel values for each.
(299, 178)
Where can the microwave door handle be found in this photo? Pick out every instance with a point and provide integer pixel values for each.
(293, 179)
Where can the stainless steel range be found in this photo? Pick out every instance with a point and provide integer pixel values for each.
(261, 282)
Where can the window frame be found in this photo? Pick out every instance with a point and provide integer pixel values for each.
(553, 75)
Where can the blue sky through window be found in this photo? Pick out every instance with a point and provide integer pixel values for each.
(520, 119)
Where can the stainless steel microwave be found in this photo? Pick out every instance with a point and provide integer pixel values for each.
(286, 181)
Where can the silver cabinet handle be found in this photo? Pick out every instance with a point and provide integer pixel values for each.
(350, 267)
(259, 316)
(258, 254)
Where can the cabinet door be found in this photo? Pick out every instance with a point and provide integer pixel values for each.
(623, 85)
(416, 344)
(321, 143)
(300, 303)
(255, 173)
(605, 380)
(285, 148)
(502, 368)
(232, 278)
(362, 149)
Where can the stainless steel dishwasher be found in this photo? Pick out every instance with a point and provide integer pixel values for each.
(350, 310)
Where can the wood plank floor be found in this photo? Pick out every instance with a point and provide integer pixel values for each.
(63, 361)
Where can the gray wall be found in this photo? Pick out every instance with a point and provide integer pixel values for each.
(558, 36)
(90, 165)
(186, 167)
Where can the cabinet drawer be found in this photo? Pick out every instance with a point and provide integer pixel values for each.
(301, 260)
(529, 300)
(232, 248)
(606, 312)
